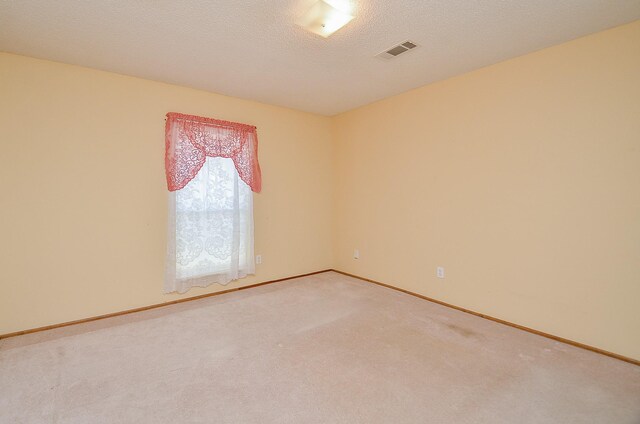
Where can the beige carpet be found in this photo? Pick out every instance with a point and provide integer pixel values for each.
(319, 349)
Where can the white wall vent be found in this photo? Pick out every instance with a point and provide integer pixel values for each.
(397, 50)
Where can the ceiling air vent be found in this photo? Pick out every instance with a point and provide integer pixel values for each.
(397, 50)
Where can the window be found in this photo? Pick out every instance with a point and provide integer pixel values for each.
(210, 214)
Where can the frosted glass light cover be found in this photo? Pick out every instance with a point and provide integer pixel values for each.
(324, 19)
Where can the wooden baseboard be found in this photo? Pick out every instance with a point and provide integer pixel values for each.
(157, 305)
(173, 302)
(501, 321)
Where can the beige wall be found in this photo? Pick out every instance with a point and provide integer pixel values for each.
(84, 201)
(522, 179)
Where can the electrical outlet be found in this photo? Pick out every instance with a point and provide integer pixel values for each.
(258, 259)
(440, 272)
(356, 254)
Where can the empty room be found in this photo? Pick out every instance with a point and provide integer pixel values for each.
(320, 211)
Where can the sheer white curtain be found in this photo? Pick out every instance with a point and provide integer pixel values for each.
(210, 236)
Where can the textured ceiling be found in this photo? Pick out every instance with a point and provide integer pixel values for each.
(252, 48)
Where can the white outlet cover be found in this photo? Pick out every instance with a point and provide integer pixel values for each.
(258, 259)
(356, 254)
(440, 272)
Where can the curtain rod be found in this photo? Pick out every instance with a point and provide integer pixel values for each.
(230, 125)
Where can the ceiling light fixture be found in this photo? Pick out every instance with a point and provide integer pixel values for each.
(324, 18)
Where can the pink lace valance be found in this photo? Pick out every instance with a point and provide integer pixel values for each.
(190, 139)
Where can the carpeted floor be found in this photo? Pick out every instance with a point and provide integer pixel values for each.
(319, 349)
